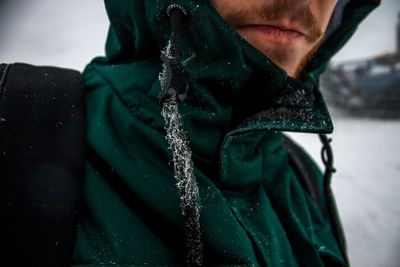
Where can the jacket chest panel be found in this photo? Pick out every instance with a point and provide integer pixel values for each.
(251, 157)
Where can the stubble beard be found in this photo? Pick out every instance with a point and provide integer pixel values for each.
(279, 9)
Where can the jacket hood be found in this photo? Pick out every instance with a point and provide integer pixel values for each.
(224, 69)
(140, 29)
(232, 84)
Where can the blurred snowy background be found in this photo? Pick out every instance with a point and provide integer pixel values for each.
(367, 151)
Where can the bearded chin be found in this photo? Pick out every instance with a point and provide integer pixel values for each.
(280, 56)
(284, 58)
(307, 58)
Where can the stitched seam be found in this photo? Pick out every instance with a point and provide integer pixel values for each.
(113, 89)
(251, 237)
(134, 110)
(223, 171)
(225, 147)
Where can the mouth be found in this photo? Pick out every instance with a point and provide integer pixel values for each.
(273, 33)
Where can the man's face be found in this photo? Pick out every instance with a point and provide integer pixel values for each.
(286, 31)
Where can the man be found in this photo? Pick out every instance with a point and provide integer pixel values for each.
(288, 32)
(244, 72)
(210, 112)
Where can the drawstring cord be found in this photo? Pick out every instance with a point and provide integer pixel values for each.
(174, 82)
(174, 79)
(327, 158)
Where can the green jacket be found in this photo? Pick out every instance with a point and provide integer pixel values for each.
(254, 209)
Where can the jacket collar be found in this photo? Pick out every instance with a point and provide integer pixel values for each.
(232, 85)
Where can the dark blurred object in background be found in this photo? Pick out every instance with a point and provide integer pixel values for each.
(369, 87)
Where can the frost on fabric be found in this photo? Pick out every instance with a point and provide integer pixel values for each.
(182, 155)
(163, 74)
(186, 181)
(183, 164)
(178, 144)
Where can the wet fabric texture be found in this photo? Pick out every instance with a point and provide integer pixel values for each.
(254, 209)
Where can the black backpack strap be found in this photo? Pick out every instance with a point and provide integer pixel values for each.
(42, 137)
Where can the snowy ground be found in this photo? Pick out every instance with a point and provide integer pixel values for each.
(367, 151)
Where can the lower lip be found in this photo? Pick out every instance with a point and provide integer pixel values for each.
(273, 33)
